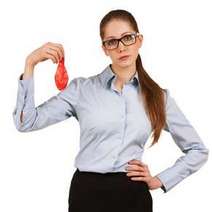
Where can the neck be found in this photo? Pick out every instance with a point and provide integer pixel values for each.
(124, 74)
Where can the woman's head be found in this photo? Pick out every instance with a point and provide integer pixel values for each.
(115, 23)
(117, 28)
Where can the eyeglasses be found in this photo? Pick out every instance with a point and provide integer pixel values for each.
(127, 40)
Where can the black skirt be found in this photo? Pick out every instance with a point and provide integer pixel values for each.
(108, 192)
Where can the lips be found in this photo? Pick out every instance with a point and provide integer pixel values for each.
(123, 57)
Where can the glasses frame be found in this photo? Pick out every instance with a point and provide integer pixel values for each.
(120, 39)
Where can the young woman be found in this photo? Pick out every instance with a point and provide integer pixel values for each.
(117, 110)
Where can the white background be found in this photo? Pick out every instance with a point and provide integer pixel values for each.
(36, 168)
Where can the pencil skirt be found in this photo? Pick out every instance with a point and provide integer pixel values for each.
(108, 192)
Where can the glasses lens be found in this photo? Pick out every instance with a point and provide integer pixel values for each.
(128, 39)
(111, 44)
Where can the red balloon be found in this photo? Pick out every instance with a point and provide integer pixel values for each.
(61, 75)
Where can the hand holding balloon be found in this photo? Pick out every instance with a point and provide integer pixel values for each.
(49, 50)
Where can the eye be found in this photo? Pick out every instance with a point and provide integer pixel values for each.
(128, 37)
(111, 42)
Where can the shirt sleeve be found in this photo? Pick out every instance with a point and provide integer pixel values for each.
(189, 142)
(54, 110)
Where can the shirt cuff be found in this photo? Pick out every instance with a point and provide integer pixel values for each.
(163, 188)
(25, 91)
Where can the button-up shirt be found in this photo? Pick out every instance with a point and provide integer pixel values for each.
(113, 124)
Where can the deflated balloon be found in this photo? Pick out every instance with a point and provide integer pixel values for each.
(61, 75)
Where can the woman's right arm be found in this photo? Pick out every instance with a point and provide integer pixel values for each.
(26, 116)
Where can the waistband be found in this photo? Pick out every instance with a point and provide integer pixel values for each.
(101, 174)
(105, 179)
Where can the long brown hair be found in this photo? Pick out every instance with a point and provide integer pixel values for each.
(152, 94)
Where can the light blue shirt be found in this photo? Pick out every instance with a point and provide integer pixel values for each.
(113, 124)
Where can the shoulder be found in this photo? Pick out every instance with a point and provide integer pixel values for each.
(83, 82)
(170, 100)
(167, 94)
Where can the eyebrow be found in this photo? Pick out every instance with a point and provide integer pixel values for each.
(114, 36)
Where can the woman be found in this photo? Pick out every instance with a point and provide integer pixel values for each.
(117, 110)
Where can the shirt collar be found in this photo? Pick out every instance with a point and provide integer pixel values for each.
(107, 75)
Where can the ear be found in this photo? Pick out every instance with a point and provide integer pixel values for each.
(105, 50)
(140, 40)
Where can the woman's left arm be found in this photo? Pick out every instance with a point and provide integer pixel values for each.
(188, 140)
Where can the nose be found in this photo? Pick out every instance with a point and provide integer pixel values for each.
(121, 46)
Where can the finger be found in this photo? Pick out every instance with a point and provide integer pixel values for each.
(134, 161)
(50, 56)
(135, 167)
(143, 164)
(60, 47)
(57, 50)
(139, 163)
(130, 174)
(145, 179)
(53, 53)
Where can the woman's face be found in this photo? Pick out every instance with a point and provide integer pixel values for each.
(117, 29)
